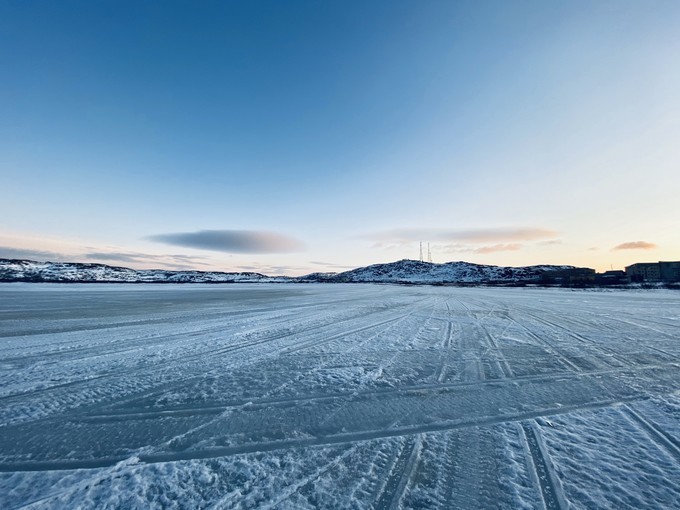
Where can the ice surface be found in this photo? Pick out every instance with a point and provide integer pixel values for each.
(337, 396)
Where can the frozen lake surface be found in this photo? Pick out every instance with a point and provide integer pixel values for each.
(338, 396)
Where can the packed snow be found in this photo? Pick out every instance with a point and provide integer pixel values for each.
(338, 396)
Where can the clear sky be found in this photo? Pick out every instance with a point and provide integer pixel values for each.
(297, 136)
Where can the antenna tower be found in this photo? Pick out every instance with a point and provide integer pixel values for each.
(429, 253)
(421, 251)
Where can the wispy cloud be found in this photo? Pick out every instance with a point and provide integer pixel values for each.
(472, 236)
(499, 247)
(232, 241)
(179, 262)
(330, 265)
(170, 261)
(635, 245)
(274, 270)
(7, 252)
(470, 248)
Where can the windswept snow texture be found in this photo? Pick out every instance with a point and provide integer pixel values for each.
(338, 396)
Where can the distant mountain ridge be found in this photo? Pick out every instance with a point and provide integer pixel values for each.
(32, 271)
(414, 271)
(402, 271)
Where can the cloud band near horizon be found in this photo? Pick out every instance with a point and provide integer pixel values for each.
(635, 245)
(473, 236)
(232, 241)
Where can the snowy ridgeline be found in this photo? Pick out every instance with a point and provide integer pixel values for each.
(455, 272)
(403, 271)
(31, 271)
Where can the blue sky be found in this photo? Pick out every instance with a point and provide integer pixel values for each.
(290, 137)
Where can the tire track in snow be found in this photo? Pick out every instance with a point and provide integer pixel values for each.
(672, 336)
(423, 412)
(98, 478)
(400, 476)
(288, 490)
(666, 354)
(500, 359)
(548, 346)
(662, 438)
(127, 374)
(440, 374)
(316, 342)
(487, 342)
(419, 338)
(227, 412)
(332, 359)
(448, 348)
(334, 439)
(203, 353)
(551, 491)
(470, 364)
(379, 393)
(171, 319)
(583, 339)
(232, 348)
(636, 343)
(471, 477)
(147, 456)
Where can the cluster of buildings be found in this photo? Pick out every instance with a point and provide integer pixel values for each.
(667, 272)
(643, 272)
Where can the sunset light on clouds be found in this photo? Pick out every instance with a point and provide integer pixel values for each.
(291, 137)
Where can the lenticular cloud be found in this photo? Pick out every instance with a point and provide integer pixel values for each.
(232, 241)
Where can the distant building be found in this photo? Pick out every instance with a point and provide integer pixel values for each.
(572, 276)
(614, 277)
(654, 272)
(670, 271)
(644, 272)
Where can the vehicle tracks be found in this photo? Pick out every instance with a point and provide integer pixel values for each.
(553, 498)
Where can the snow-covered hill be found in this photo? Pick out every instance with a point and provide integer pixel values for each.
(403, 271)
(413, 271)
(31, 271)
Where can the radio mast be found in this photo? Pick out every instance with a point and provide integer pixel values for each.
(429, 253)
(421, 251)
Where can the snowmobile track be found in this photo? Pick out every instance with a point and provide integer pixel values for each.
(552, 497)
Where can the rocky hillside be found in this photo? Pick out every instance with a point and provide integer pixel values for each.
(403, 271)
(31, 271)
(413, 271)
